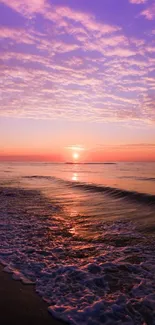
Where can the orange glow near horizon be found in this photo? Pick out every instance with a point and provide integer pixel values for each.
(117, 152)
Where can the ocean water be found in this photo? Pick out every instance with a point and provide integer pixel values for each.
(84, 235)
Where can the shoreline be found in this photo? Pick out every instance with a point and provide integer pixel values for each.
(20, 304)
(110, 277)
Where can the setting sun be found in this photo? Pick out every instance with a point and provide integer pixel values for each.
(75, 155)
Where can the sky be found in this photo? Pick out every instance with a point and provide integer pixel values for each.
(77, 77)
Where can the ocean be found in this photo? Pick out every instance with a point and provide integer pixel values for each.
(84, 235)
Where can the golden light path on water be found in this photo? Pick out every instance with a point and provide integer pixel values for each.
(138, 177)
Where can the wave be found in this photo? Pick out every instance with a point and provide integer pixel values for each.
(89, 163)
(144, 198)
(119, 193)
(147, 179)
(82, 282)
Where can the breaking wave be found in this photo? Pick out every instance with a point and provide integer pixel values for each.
(108, 278)
(144, 198)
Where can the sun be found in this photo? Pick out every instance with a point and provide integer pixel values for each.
(75, 155)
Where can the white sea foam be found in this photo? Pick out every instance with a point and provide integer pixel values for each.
(107, 279)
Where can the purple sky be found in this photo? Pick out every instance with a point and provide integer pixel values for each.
(76, 72)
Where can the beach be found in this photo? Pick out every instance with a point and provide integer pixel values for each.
(85, 248)
(19, 304)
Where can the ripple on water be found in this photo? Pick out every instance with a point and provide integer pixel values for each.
(106, 279)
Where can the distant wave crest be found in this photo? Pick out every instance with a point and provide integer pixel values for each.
(115, 192)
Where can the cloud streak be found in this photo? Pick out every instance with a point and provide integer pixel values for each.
(74, 66)
(137, 2)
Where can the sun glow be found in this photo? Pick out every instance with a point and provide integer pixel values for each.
(75, 155)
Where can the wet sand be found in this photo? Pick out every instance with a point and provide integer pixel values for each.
(19, 304)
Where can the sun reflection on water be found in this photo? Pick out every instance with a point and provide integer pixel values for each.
(75, 177)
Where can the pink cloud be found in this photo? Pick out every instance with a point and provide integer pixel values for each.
(86, 20)
(97, 74)
(150, 49)
(17, 34)
(149, 13)
(137, 42)
(120, 51)
(138, 1)
(61, 15)
(26, 7)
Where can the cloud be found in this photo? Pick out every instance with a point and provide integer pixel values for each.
(126, 146)
(75, 147)
(150, 49)
(149, 13)
(63, 16)
(26, 7)
(18, 35)
(138, 1)
(73, 66)
(120, 51)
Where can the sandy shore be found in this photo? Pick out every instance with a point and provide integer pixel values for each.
(19, 304)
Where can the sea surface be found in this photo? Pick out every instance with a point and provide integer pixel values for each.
(84, 235)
